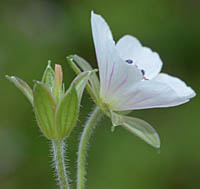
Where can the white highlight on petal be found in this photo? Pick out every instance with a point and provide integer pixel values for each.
(129, 47)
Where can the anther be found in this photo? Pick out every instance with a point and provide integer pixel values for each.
(129, 61)
(143, 72)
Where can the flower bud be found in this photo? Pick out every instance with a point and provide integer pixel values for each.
(56, 111)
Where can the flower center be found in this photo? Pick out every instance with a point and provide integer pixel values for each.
(129, 61)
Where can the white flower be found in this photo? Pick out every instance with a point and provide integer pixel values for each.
(130, 75)
(130, 79)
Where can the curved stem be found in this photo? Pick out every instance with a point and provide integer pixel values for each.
(82, 151)
(58, 152)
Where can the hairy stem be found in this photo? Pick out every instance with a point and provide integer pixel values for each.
(58, 152)
(82, 151)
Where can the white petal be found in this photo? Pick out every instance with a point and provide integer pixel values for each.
(117, 76)
(129, 47)
(163, 91)
(179, 86)
(101, 33)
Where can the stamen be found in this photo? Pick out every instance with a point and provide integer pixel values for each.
(129, 61)
(143, 72)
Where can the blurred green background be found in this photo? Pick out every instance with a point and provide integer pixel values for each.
(35, 31)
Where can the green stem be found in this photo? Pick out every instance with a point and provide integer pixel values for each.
(82, 151)
(58, 152)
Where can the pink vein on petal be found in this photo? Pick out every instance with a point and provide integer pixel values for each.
(142, 100)
(131, 97)
(111, 75)
(120, 84)
(106, 72)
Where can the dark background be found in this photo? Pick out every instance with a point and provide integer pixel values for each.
(35, 31)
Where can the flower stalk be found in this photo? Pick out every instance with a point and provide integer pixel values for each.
(83, 146)
(59, 160)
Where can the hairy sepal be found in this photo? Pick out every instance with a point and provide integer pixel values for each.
(44, 107)
(67, 113)
(79, 65)
(138, 127)
(48, 76)
(22, 86)
(81, 81)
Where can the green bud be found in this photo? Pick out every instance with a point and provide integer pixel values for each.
(56, 111)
